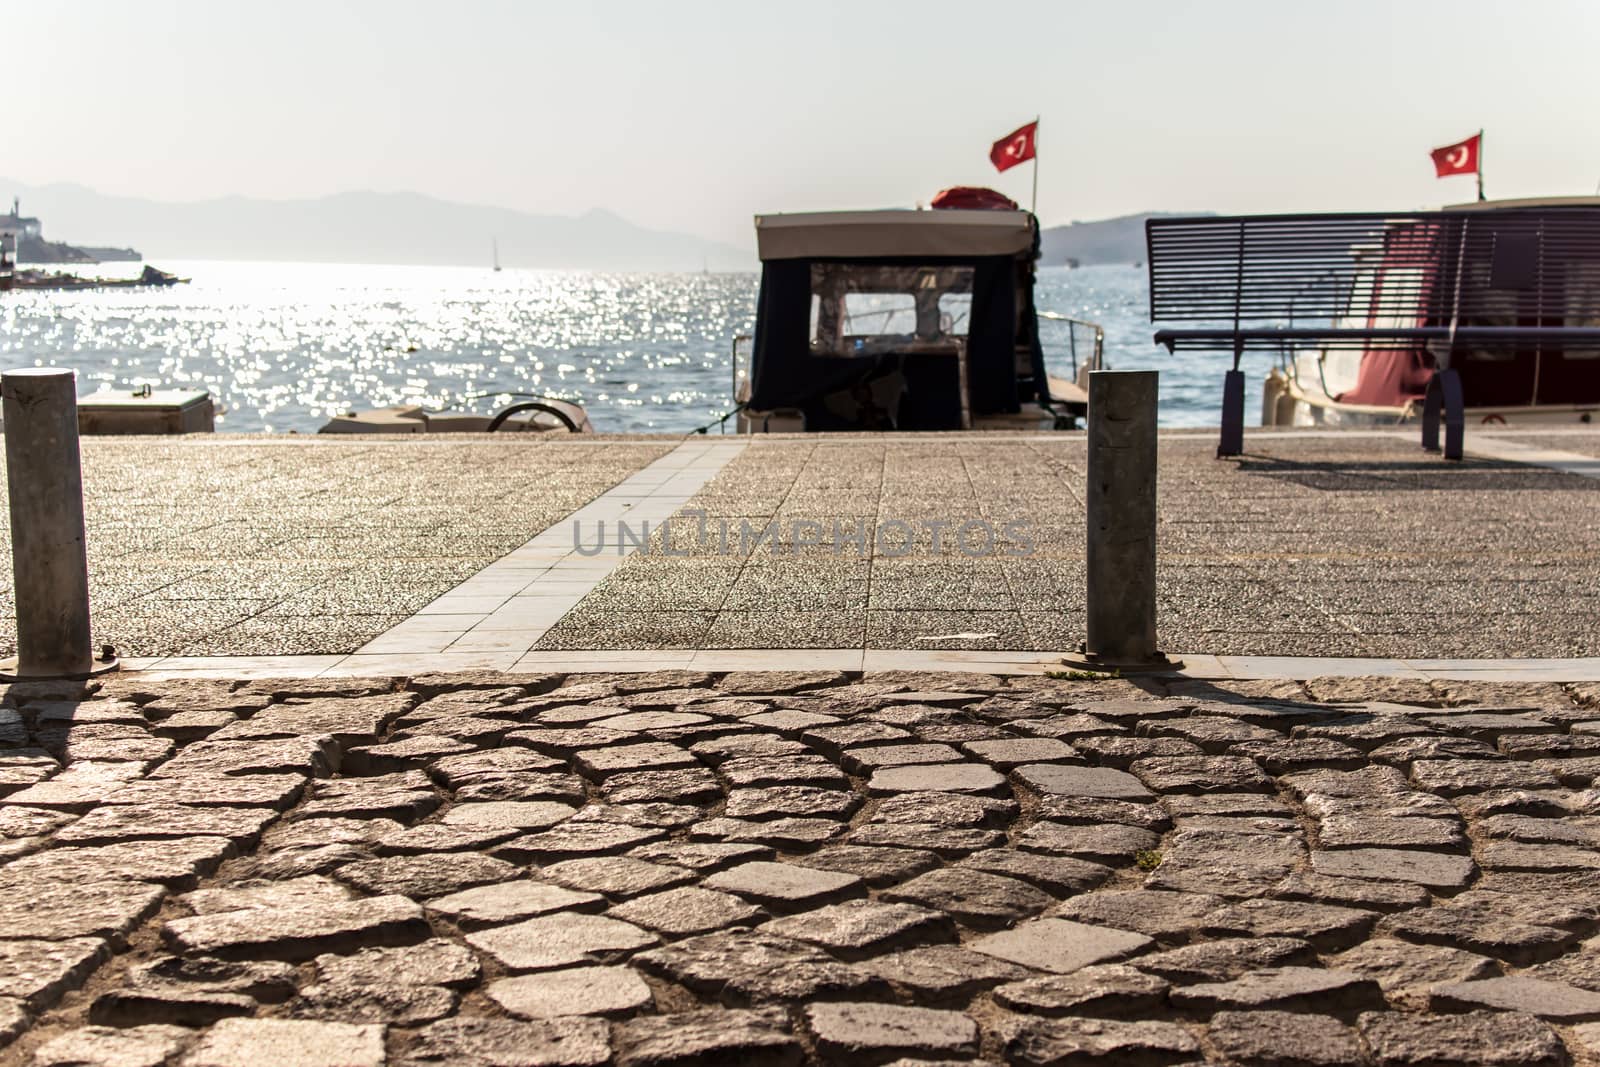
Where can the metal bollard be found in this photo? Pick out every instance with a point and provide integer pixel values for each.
(48, 557)
(1121, 500)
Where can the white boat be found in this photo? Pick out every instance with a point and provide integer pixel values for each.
(539, 415)
(1530, 383)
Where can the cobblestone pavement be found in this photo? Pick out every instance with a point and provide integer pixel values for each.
(208, 546)
(1314, 545)
(757, 869)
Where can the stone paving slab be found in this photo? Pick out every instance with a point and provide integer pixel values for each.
(1369, 871)
(217, 545)
(1275, 553)
(240, 547)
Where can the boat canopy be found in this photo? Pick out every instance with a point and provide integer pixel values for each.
(854, 234)
(912, 320)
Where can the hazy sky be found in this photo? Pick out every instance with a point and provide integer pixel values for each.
(695, 115)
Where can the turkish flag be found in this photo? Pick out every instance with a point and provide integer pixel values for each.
(1458, 158)
(1015, 148)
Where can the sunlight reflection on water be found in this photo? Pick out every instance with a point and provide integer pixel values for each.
(284, 346)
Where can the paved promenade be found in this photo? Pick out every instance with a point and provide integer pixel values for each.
(218, 545)
(697, 868)
(507, 554)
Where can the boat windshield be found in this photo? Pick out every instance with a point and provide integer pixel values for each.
(868, 309)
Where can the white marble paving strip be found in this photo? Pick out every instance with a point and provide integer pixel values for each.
(1496, 447)
(797, 659)
(501, 612)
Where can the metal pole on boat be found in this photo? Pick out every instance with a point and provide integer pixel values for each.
(1121, 504)
(1480, 164)
(1033, 206)
(48, 555)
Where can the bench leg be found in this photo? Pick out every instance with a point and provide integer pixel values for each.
(1232, 443)
(1455, 415)
(1444, 401)
(1432, 402)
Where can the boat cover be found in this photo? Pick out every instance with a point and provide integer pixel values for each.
(1390, 379)
(882, 234)
(998, 246)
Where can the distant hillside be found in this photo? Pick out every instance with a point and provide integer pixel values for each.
(1119, 240)
(365, 227)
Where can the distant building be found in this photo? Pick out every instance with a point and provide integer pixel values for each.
(19, 227)
(26, 237)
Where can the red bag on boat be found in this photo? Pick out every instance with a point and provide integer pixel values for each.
(969, 197)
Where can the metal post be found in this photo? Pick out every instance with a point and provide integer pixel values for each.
(1121, 500)
(48, 557)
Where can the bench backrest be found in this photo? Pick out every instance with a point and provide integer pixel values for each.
(1493, 276)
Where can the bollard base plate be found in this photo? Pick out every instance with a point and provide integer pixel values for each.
(1158, 663)
(10, 673)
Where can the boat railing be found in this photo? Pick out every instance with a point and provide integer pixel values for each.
(738, 340)
(1095, 339)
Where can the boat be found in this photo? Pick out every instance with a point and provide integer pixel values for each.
(150, 277)
(527, 415)
(1530, 383)
(904, 320)
(494, 245)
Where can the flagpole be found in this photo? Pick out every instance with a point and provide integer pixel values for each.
(1480, 166)
(1033, 208)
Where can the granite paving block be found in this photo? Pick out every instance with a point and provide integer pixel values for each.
(1400, 865)
(37, 973)
(599, 991)
(1289, 988)
(1490, 1039)
(507, 902)
(561, 940)
(298, 933)
(744, 968)
(312, 1044)
(760, 1038)
(785, 886)
(1289, 1039)
(1047, 1042)
(137, 1046)
(859, 1032)
(1060, 946)
(1118, 907)
(1104, 991)
(486, 1040)
(858, 929)
(1555, 1001)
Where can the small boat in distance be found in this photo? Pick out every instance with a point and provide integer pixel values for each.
(495, 245)
(150, 277)
(904, 320)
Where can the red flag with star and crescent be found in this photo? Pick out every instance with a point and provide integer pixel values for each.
(1458, 158)
(1014, 148)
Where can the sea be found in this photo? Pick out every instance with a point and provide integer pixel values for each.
(284, 346)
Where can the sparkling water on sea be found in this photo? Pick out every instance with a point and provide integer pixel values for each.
(283, 346)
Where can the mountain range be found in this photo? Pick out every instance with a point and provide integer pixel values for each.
(373, 227)
(1086, 244)
(364, 227)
